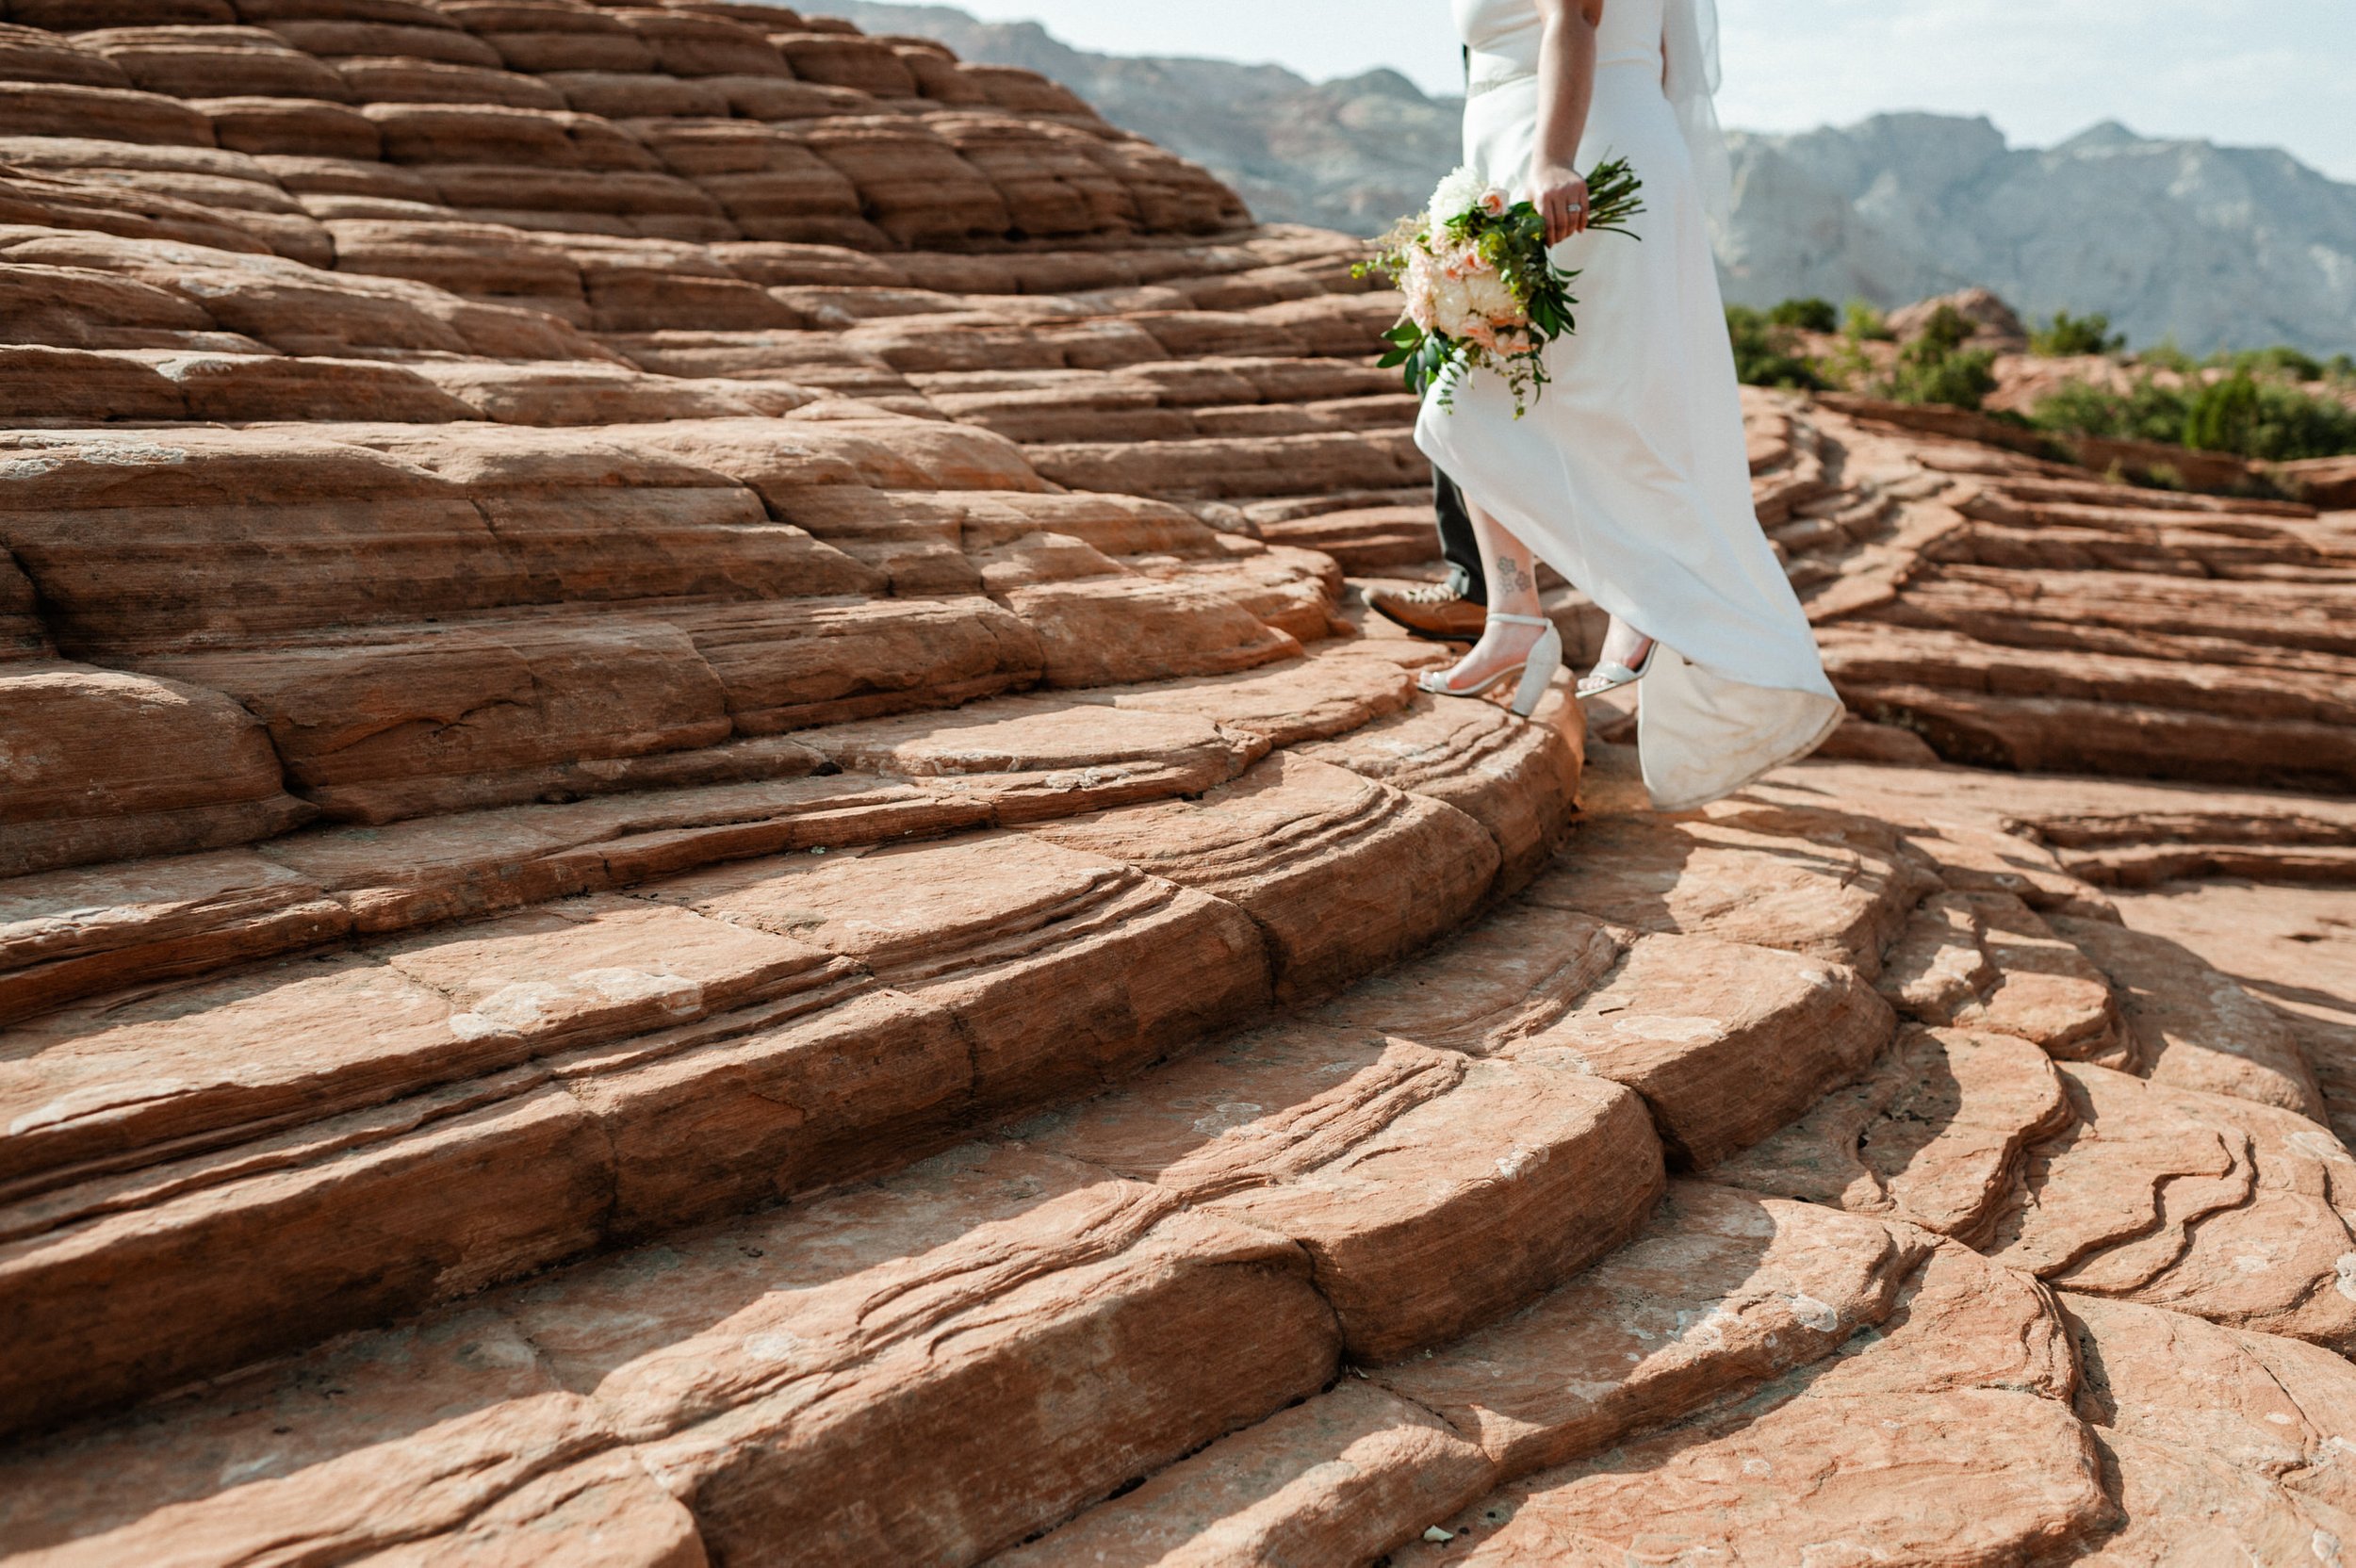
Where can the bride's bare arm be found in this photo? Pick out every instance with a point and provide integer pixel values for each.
(1566, 89)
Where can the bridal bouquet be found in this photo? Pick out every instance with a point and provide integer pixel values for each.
(1481, 287)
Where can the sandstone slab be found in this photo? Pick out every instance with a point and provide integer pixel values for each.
(307, 1037)
(1948, 1437)
(1936, 1133)
(2226, 1445)
(1065, 970)
(2194, 1027)
(2222, 1208)
(1985, 961)
(1030, 757)
(1335, 1482)
(1725, 1042)
(726, 1367)
(1316, 856)
(1720, 1290)
(1816, 882)
(1520, 781)
(103, 764)
(1431, 1192)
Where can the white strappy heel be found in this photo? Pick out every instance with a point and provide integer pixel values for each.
(1537, 671)
(1611, 676)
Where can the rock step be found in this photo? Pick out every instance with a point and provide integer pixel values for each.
(2217, 1206)
(925, 1370)
(606, 1069)
(377, 1126)
(2220, 1444)
(719, 1385)
(71, 934)
(1741, 1308)
(2293, 625)
(1944, 1433)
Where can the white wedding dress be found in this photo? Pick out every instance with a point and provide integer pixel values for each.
(1629, 475)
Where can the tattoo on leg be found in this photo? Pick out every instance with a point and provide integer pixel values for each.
(1511, 577)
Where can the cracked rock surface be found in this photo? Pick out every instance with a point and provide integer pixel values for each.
(705, 859)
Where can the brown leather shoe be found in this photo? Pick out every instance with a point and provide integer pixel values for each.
(1438, 611)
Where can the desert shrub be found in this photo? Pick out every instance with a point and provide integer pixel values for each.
(2268, 420)
(2067, 335)
(2145, 412)
(2341, 367)
(2291, 424)
(2222, 415)
(1935, 367)
(1864, 323)
(2167, 355)
(1766, 353)
(2282, 360)
(1808, 315)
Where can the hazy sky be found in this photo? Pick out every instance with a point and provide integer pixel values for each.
(2271, 72)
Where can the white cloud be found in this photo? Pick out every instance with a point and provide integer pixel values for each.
(2270, 73)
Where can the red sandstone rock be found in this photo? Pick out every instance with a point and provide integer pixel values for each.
(1431, 1193)
(1985, 961)
(2194, 1027)
(1858, 1453)
(841, 396)
(2228, 1210)
(101, 764)
(2221, 1441)
(1937, 1133)
(1291, 824)
(1838, 888)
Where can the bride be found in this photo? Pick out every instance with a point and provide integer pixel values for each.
(1629, 475)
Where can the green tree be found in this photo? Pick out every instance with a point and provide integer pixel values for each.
(1767, 353)
(1864, 323)
(2271, 421)
(2145, 412)
(2066, 335)
(2223, 415)
(2281, 359)
(1935, 367)
(1808, 315)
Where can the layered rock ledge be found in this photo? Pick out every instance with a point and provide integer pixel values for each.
(704, 859)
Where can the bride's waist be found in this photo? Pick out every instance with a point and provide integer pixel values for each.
(1492, 72)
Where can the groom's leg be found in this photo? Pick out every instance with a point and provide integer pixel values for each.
(1459, 547)
(1450, 612)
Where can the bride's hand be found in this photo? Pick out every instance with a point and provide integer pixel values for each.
(1560, 194)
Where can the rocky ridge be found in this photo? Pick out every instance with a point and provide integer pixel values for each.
(702, 861)
(2212, 247)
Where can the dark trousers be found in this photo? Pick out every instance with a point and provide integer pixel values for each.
(1458, 547)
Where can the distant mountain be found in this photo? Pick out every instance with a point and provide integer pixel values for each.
(1352, 154)
(2214, 246)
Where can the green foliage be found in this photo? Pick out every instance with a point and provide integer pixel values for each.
(2223, 415)
(2146, 411)
(1866, 324)
(2167, 355)
(1947, 330)
(2291, 424)
(1957, 379)
(1766, 352)
(2282, 360)
(2268, 420)
(2341, 367)
(2066, 335)
(1806, 315)
(1935, 367)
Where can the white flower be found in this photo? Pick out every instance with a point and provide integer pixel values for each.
(1458, 194)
